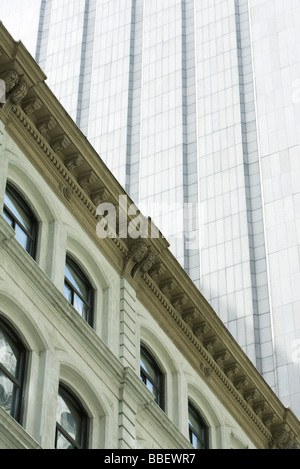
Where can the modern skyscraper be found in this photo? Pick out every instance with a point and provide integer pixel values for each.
(195, 107)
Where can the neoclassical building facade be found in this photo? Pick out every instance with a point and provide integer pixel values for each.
(105, 342)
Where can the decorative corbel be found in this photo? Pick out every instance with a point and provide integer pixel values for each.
(221, 356)
(283, 438)
(157, 270)
(231, 370)
(100, 196)
(269, 419)
(201, 329)
(19, 93)
(137, 253)
(87, 179)
(167, 286)
(32, 105)
(190, 316)
(260, 407)
(60, 143)
(250, 395)
(211, 343)
(46, 124)
(178, 301)
(74, 161)
(144, 266)
(11, 80)
(15, 89)
(241, 383)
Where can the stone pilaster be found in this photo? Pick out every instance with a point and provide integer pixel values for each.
(128, 352)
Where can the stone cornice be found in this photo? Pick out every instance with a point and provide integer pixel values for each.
(56, 147)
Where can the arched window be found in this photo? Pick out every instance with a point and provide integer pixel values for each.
(71, 422)
(12, 365)
(152, 376)
(198, 431)
(78, 290)
(21, 218)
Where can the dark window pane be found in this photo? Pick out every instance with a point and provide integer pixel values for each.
(77, 282)
(197, 429)
(14, 205)
(150, 367)
(151, 376)
(78, 290)
(17, 213)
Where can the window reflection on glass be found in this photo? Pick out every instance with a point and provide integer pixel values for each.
(20, 217)
(6, 392)
(198, 432)
(78, 290)
(12, 356)
(70, 422)
(151, 376)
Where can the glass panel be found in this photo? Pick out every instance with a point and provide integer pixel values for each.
(6, 392)
(149, 385)
(150, 367)
(69, 418)
(79, 305)
(22, 238)
(9, 353)
(195, 441)
(195, 423)
(68, 293)
(62, 442)
(18, 211)
(197, 429)
(77, 282)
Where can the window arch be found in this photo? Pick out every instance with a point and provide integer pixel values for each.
(19, 215)
(78, 290)
(71, 422)
(152, 376)
(198, 431)
(12, 371)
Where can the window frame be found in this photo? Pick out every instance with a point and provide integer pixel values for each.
(68, 396)
(31, 237)
(21, 369)
(91, 292)
(204, 442)
(144, 375)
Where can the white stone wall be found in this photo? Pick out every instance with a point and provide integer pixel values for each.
(100, 365)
